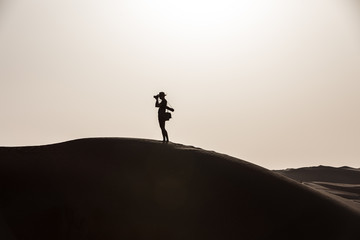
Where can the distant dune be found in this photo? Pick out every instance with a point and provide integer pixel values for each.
(115, 188)
(342, 184)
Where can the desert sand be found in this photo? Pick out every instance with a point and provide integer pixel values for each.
(118, 188)
(342, 184)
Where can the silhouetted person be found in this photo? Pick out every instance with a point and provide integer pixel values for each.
(162, 114)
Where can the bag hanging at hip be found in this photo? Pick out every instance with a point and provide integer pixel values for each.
(167, 116)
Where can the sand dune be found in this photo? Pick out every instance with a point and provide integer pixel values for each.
(345, 175)
(115, 188)
(342, 184)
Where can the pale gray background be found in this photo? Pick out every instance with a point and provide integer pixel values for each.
(275, 82)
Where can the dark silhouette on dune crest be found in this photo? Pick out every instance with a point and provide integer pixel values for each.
(115, 188)
(163, 116)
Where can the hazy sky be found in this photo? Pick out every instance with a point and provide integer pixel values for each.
(274, 82)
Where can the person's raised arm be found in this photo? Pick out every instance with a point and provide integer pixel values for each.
(157, 102)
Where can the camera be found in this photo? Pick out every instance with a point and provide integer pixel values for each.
(156, 96)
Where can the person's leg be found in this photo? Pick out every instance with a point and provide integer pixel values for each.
(163, 130)
(166, 134)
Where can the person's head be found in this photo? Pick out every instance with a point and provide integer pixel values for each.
(162, 95)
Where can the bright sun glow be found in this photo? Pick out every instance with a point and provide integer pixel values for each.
(201, 15)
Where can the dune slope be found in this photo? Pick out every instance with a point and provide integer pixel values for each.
(114, 188)
(343, 184)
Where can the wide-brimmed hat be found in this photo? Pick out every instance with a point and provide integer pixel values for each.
(162, 94)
